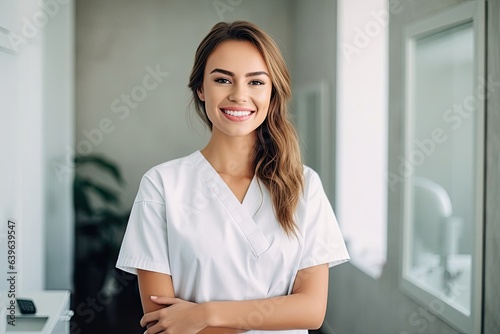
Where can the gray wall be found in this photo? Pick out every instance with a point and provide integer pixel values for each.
(117, 40)
(362, 304)
(314, 31)
(314, 60)
(59, 127)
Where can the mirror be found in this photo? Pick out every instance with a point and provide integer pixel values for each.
(443, 183)
(443, 187)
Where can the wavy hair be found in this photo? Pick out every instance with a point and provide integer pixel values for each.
(276, 162)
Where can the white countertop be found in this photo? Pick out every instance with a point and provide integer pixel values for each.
(49, 304)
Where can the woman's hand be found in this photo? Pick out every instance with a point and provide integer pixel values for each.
(180, 317)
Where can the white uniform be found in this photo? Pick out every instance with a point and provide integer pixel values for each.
(187, 223)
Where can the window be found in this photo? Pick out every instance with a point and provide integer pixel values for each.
(361, 170)
(442, 165)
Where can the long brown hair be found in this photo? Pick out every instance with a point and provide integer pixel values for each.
(277, 161)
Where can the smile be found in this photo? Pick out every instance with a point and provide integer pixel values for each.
(237, 113)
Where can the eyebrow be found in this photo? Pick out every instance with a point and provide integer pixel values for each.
(231, 74)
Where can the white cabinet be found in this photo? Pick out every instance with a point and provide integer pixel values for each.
(52, 316)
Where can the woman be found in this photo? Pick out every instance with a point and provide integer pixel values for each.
(240, 235)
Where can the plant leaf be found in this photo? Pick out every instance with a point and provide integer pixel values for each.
(106, 194)
(102, 163)
(81, 200)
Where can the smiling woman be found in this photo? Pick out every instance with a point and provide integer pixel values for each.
(238, 95)
(240, 235)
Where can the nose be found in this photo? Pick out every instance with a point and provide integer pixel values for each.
(238, 94)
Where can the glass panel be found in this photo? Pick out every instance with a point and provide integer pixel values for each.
(441, 164)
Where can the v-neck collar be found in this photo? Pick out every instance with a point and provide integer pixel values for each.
(241, 212)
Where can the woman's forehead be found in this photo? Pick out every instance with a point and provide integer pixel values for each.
(239, 57)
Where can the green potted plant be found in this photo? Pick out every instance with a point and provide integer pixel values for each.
(99, 225)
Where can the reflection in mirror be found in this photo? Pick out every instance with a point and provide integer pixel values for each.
(442, 158)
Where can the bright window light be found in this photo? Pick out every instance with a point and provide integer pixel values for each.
(362, 130)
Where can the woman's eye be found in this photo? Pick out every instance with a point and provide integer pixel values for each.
(222, 80)
(257, 82)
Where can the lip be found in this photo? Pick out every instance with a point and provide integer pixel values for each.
(237, 118)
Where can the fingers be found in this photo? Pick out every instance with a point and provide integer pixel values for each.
(154, 329)
(165, 300)
(151, 317)
(148, 317)
(155, 315)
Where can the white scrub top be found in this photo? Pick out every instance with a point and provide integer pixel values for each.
(186, 222)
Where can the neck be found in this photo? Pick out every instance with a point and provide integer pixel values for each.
(231, 156)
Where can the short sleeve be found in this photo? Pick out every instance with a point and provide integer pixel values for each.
(145, 243)
(323, 241)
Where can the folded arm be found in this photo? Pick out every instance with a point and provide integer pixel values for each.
(157, 284)
(303, 309)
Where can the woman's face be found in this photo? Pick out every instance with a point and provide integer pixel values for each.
(236, 89)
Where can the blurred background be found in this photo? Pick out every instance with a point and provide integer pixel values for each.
(396, 104)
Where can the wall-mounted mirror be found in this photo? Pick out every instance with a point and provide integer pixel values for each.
(443, 164)
(313, 128)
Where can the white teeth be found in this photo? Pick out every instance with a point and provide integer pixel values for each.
(236, 113)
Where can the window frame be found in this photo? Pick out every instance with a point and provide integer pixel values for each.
(473, 11)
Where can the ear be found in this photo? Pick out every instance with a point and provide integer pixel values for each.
(201, 96)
